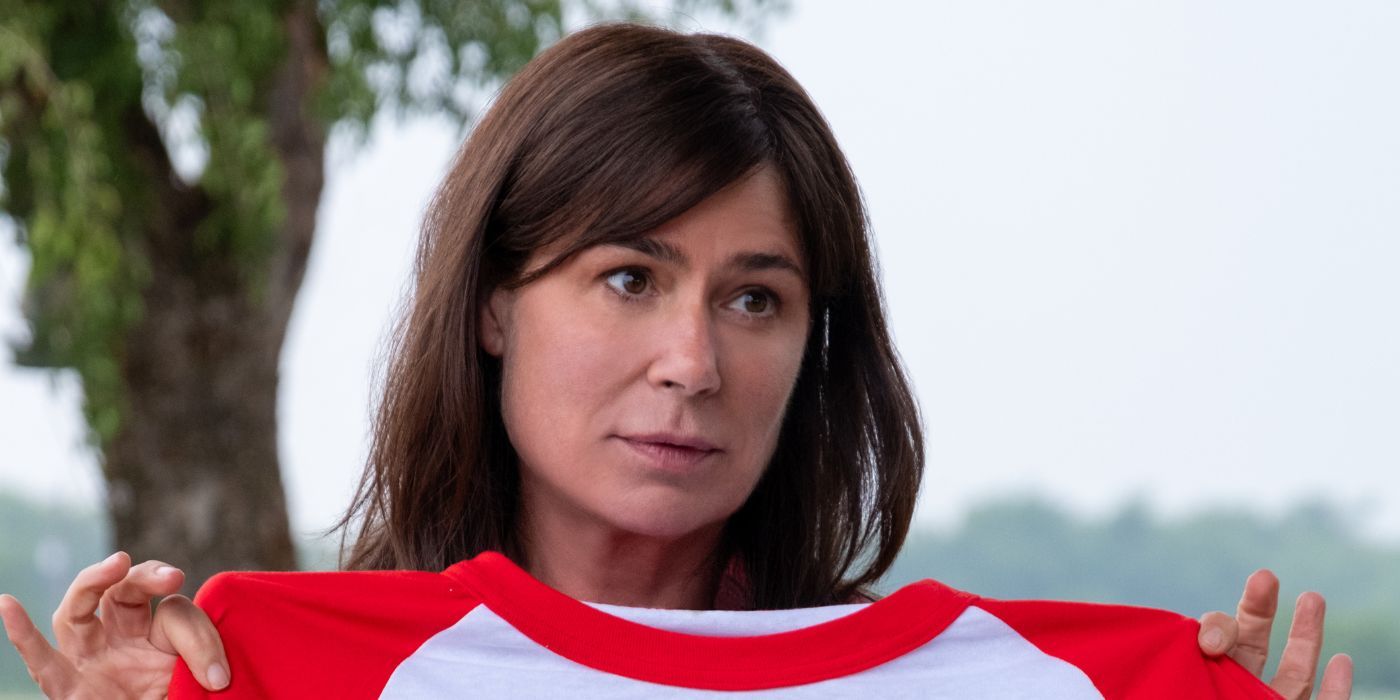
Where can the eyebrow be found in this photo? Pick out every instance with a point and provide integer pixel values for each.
(748, 261)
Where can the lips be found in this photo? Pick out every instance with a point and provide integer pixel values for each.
(673, 440)
(670, 452)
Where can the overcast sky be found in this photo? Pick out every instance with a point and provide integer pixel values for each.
(1131, 250)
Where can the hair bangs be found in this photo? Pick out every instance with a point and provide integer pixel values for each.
(640, 141)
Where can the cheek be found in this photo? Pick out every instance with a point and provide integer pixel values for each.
(559, 369)
(761, 380)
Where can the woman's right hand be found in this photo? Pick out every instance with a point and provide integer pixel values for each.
(110, 645)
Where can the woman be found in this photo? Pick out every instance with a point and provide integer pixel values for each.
(646, 358)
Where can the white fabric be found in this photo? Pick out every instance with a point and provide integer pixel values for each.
(977, 657)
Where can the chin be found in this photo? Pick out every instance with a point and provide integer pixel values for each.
(664, 518)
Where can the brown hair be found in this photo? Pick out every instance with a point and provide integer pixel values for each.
(603, 137)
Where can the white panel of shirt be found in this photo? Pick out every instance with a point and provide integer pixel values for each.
(977, 657)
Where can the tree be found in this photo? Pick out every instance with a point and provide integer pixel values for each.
(162, 162)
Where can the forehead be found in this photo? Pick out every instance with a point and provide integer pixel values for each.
(751, 214)
(748, 218)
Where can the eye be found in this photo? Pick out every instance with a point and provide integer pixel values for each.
(756, 302)
(629, 282)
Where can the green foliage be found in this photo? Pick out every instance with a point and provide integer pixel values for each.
(1026, 548)
(95, 98)
(61, 184)
(427, 57)
(224, 56)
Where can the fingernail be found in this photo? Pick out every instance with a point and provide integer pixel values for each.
(165, 571)
(111, 558)
(1215, 639)
(217, 676)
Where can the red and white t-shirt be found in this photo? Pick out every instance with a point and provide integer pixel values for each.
(484, 628)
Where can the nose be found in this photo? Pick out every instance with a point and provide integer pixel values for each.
(687, 360)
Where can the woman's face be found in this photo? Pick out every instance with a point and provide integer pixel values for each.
(644, 384)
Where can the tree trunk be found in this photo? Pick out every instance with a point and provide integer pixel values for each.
(193, 475)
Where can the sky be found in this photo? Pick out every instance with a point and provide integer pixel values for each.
(1132, 252)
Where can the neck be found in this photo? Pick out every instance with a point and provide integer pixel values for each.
(592, 562)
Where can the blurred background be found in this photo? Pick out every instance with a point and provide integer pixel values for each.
(1141, 261)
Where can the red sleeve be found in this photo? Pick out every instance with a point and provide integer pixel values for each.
(331, 635)
(1128, 652)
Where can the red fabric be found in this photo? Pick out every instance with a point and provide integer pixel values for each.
(321, 635)
(900, 623)
(1129, 652)
(342, 635)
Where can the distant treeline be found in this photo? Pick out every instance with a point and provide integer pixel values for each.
(1022, 548)
(41, 548)
(1026, 548)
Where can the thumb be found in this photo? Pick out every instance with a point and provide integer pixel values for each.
(180, 627)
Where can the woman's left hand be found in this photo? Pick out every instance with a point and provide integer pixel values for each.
(1245, 638)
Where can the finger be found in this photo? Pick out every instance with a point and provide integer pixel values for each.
(1336, 679)
(182, 628)
(1298, 667)
(1255, 617)
(1218, 633)
(75, 623)
(54, 673)
(126, 606)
